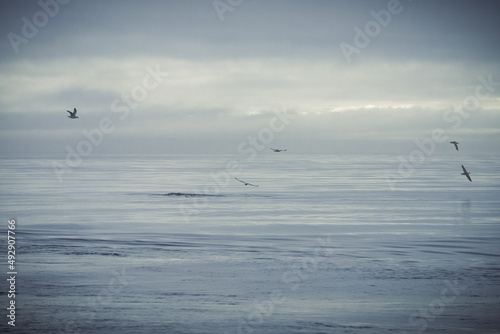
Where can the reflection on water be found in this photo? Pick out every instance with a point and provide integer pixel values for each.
(464, 211)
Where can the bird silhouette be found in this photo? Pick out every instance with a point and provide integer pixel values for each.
(72, 114)
(246, 183)
(466, 173)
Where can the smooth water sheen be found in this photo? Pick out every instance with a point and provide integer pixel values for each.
(325, 244)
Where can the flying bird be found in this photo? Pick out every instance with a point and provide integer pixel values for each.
(277, 150)
(466, 173)
(246, 183)
(72, 114)
(454, 143)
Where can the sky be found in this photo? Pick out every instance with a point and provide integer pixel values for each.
(228, 76)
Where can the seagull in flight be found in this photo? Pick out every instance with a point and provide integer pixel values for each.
(466, 173)
(454, 143)
(246, 183)
(277, 150)
(72, 114)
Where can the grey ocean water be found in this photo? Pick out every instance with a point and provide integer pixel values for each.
(323, 245)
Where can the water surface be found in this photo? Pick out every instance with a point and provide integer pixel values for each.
(325, 244)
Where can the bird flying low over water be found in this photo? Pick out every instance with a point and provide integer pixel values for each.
(278, 150)
(454, 143)
(466, 173)
(72, 114)
(246, 183)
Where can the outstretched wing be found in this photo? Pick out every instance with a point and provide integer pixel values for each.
(253, 185)
(240, 180)
(468, 176)
(465, 170)
(69, 112)
(456, 145)
(74, 111)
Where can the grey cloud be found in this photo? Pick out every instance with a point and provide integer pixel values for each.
(441, 30)
(224, 76)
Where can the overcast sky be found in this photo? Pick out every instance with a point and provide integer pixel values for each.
(167, 77)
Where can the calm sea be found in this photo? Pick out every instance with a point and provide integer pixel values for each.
(324, 244)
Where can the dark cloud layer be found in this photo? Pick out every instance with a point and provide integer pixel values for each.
(439, 30)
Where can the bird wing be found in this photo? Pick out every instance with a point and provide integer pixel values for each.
(465, 170)
(69, 112)
(74, 110)
(456, 145)
(468, 177)
(246, 183)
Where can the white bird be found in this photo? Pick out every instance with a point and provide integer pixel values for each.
(466, 173)
(277, 150)
(246, 183)
(454, 143)
(72, 114)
